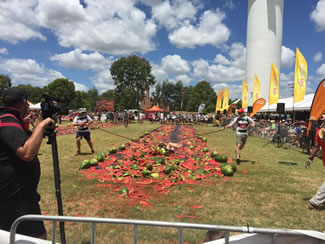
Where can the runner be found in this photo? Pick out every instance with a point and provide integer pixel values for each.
(242, 122)
(82, 121)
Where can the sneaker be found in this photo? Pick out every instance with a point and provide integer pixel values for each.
(238, 160)
(77, 153)
(312, 206)
(92, 151)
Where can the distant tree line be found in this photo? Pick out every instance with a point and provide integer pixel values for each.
(132, 76)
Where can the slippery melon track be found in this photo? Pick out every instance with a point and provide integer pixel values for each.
(141, 163)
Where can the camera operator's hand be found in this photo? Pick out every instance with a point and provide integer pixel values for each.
(308, 163)
(48, 123)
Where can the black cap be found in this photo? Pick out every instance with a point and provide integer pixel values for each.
(13, 95)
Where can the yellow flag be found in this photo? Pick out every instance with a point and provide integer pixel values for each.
(299, 87)
(257, 89)
(274, 85)
(244, 95)
(225, 101)
(218, 105)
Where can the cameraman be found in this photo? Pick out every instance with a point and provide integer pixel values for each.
(82, 121)
(19, 165)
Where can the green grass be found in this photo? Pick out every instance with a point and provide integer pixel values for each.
(269, 195)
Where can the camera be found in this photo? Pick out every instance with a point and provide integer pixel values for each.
(51, 108)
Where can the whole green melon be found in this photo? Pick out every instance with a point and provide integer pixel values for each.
(85, 164)
(227, 170)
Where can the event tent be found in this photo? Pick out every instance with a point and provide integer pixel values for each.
(154, 109)
(289, 107)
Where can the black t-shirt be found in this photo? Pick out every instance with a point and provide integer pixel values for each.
(17, 177)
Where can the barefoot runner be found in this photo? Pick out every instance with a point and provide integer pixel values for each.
(242, 122)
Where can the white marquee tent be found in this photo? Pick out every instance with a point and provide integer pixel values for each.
(299, 106)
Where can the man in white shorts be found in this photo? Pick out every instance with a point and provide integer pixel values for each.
(242, 122)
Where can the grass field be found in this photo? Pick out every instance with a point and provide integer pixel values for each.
(263, 193)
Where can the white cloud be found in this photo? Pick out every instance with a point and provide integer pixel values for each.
(318, 56)
(175, 65)
(184, 78)
(173, 14)
(226, 70)
(76, 59)
(159, 73)
(210, 30)
(103, 81)
(28, 71)
(220, 59)
(18, 22)
(3, 51)
(80, 87)
(234, 89)
(318, 15)
(116, 27)
(287, 57)
(321, 71)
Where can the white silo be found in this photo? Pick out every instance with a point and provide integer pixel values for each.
(263, 43)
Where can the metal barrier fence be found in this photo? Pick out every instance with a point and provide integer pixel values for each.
(136, 223)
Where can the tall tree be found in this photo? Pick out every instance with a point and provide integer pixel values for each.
(34, 93)
(131, 73)
(109, 95)
(201, 93)
(92, 95)
(5, 82)
(62, 88)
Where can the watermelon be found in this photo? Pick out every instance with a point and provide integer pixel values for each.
(145, 172)
(200, 137)
(205, 149)
(122, 147)
(227, 170)
(155, 175)
(214, 154)
(124, 190)
(146, 133)
(162, 151)
(149, 167)
(234, 167)
(100, 157)
(191, 147)
(221, 158)
(93, 162)
(167, 170)
(134, 166)
(204, 139)
(85, 164)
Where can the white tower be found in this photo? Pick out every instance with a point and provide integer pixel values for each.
(263, 43)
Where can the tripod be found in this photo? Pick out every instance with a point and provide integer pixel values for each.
(52, 140)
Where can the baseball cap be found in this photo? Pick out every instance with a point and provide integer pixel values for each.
(13, 95)
(241, 110)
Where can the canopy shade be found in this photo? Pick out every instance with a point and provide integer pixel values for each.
(289, 107)
(154, 109)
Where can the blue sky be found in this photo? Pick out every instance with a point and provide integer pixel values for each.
(42, 40)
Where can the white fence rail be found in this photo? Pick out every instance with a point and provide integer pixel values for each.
(136, 223)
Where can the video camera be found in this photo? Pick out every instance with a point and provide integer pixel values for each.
(51, 108)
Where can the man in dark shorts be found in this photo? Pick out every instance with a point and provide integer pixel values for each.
(82, 120)
(19, 165)
(242, 122)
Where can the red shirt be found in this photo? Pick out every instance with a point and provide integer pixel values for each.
(320, 142)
